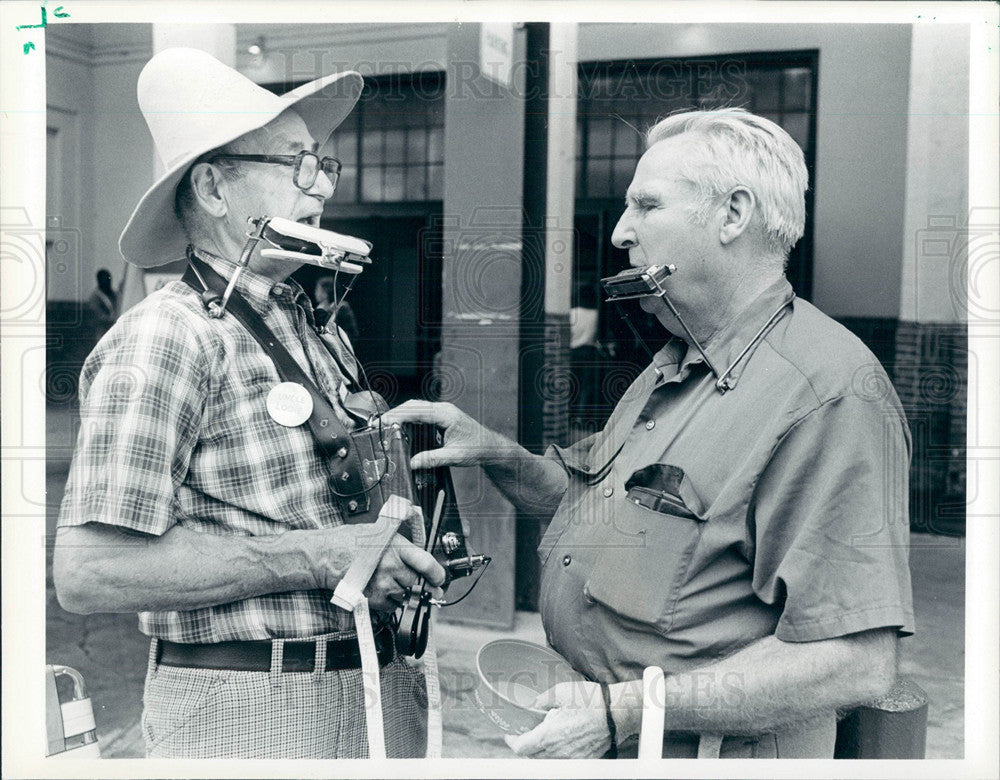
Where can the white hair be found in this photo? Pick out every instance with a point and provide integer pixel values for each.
(732, 148)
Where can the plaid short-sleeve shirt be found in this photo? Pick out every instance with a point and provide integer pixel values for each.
(175, 430)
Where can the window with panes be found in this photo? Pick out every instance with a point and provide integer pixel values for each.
(392, 145)
(620, 101)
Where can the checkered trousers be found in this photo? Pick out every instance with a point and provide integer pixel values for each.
(204, 713)
(175, 430)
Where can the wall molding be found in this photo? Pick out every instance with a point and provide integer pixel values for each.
(124, 55)
(344, 46)
(61, 42)
(68, 47)
(302, 36)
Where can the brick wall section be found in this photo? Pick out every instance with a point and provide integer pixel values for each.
(878, 334)
(931, 377)
(928, 365)
(556, 386)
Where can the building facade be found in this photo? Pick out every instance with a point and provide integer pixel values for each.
(490, 206)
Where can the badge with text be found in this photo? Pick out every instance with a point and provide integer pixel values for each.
(289, 404)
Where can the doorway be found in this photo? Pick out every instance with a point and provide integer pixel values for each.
(396, 302)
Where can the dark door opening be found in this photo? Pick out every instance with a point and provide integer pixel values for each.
(396, 302)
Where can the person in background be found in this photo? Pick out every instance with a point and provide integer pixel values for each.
(103, 305)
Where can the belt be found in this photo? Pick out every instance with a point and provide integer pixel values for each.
(255, 656)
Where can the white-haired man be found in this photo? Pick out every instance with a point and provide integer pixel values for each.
(192, 500)
(741, 522)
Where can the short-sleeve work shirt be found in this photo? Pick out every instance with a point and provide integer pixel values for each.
(786, 511)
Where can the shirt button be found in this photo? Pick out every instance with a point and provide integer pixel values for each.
(650, 425)
(608, 492)
(567, 560)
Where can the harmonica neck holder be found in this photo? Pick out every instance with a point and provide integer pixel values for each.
(296, 242)
(215, 303)
(644, 282)
(637, 282)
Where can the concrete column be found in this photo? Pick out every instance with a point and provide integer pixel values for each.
(549, 200)
(937, 205)
(941, 237)
(481, 285)
(560, 236)
(561, 197)
(547, 384)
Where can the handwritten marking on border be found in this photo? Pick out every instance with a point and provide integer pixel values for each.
(59, 13)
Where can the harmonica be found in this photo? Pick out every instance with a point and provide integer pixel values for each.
(315, 246)
(637, 282)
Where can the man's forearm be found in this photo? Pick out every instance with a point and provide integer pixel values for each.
(768, 685)
(532, 483)
(106, 569)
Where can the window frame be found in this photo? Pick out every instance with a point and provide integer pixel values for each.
(427, 85)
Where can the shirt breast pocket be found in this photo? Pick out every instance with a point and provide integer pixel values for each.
(646, 555)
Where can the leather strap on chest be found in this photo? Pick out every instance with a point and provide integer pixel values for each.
(331, 436)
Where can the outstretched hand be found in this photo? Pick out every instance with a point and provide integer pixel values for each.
(532, 483)
(466, 442)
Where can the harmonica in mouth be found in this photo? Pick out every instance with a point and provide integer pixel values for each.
(315, 246)
(637, 282)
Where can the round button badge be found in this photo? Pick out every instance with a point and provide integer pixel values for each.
(289, 404)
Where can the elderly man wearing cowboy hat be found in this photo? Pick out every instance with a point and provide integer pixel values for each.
(191, 503)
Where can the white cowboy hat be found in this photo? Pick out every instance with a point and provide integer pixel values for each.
(192, 104)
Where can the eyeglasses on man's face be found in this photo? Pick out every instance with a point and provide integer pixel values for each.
(306, 166)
